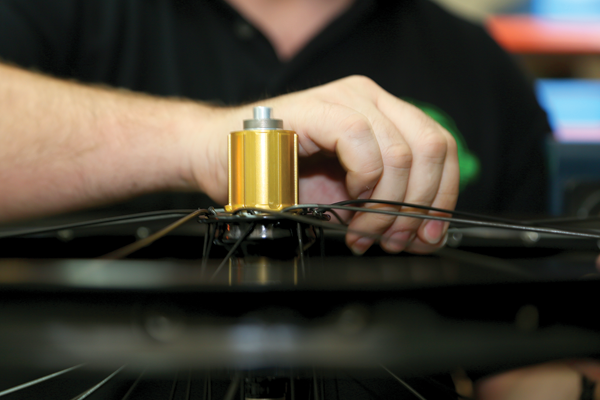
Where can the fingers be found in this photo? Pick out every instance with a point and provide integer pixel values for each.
(545, 381)
(397, 160)
(346, 132)
(552, 380)
(590, 368)
(390, 150)
(434, 176)
(420, 166)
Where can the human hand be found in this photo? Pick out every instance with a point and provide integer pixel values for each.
(386, 149)
(549, 381)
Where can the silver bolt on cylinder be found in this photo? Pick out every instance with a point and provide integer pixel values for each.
(262, 120)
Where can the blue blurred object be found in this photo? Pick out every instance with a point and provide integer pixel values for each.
(566, 8)
(573, 107)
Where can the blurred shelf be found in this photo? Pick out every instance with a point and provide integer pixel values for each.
(537, 35)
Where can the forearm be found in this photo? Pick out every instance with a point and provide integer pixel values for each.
(65, 146)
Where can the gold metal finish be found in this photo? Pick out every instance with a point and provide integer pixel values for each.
(263, 169)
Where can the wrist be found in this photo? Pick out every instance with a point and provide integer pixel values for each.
(201, 158)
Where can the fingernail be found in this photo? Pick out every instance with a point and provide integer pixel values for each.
(398, 241)
(434, 231)
(361, 245)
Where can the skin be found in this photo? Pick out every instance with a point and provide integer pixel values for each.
(291, 24)
(549, 381)
(65, 146)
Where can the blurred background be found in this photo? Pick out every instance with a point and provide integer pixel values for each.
(558, 43)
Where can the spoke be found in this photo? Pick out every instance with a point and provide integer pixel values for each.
(127, 250)
(292, 385)
(406, 385)
(233, 249)
(232, 389)
(189, 385)
(301, 248)
(491, 224)
(315, 385)
(208, 239)
(337, 216)
(124, 219)
(172, 395)
(98, 386)
(132, 388)
(207, 387)
(484, 222)
(566, 220)
(39, 380)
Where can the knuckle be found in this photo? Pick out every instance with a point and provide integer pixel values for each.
(452, 145)
(357, 126)
(398, 155)
(361, 81)
(432, 145)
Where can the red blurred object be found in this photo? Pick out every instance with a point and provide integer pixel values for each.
(531, 34)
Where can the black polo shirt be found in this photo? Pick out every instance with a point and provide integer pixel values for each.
(203, 49)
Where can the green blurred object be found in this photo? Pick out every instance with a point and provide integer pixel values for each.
(467, 161)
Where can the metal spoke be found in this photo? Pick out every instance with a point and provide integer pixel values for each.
(474, 222)
(233, 249)
(98, 386)
(189, 385)
(39, 380)
(207, 387)
(133, 386)
(140, 244)
(406, 385)
(172, 395)
(301, 249)
(232, 389)
(123, 219)
(208, 240)
(292, 385)
(337, 216)
(315, 385)
(491, 224)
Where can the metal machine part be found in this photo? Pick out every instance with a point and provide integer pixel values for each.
(262, 120)
(263, 164)
(276, 319)
(261, 235)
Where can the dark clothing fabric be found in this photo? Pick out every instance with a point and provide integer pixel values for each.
(205, 50)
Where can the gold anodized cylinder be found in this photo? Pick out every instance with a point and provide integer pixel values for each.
(263, 169)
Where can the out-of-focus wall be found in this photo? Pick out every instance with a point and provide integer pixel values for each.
(568, 87)
(478, 10)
